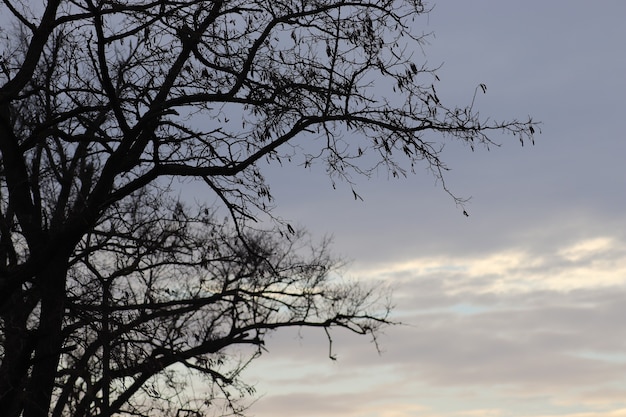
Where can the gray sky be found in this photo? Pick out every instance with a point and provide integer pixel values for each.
(518, 310)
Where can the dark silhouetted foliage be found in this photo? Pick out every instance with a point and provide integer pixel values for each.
(117, 295)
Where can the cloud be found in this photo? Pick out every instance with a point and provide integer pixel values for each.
(521, 318)
(590, 262)
(520, 323)
(610, 413)
(364, 404)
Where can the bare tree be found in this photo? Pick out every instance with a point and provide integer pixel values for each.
(117, 297)
(158, 306)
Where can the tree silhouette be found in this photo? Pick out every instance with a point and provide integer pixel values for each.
(116, 295)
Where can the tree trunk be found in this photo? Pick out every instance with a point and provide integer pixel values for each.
(49, 339)
(18, 346)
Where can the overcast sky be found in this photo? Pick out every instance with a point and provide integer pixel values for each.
(520, 309)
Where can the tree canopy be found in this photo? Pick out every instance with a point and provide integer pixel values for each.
(116, 294)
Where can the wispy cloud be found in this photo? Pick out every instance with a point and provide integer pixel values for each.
(586, 263)
(518, 324)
